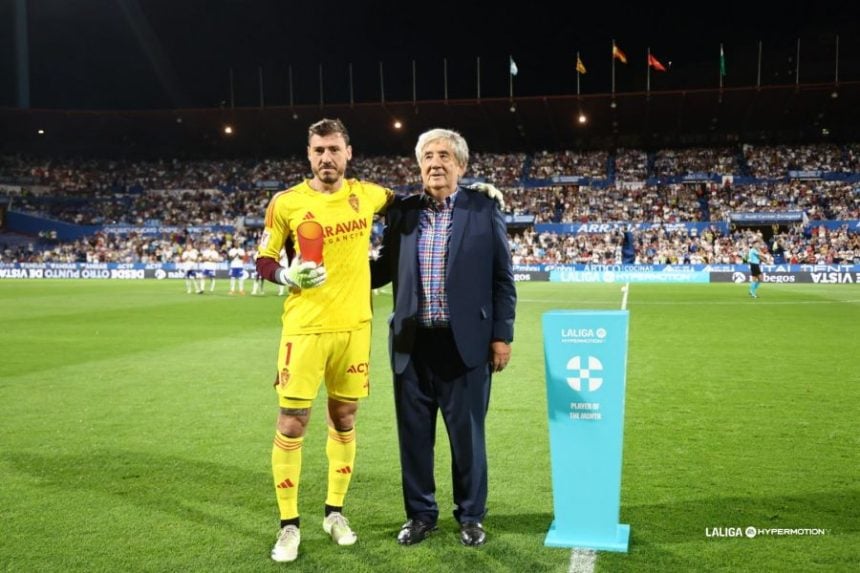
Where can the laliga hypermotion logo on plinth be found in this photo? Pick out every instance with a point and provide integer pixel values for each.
(586, 374)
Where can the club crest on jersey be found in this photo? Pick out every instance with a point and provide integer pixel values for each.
(353, 202)
(284, 376)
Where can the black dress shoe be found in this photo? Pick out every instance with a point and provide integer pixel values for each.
(472, 533)
(414, 531)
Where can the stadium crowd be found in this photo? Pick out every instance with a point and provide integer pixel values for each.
(677, 246)
(228, 192)
(92, 177)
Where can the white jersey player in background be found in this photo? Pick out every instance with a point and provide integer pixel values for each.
(190, 259)
(237, 269)
(211, 257)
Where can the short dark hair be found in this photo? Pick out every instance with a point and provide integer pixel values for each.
(325, 127)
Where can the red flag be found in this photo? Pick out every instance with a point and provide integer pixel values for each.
(655, 63)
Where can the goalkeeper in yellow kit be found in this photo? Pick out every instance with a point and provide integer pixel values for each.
(326, 323)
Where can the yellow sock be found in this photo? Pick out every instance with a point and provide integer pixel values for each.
(287, 469)
(340, 450)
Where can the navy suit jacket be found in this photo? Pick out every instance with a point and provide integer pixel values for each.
(479, 277)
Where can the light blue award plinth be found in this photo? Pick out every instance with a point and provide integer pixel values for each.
(586, 363)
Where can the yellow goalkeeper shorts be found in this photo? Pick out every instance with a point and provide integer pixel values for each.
(342, 359)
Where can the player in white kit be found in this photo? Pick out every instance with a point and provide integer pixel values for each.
(237, 271)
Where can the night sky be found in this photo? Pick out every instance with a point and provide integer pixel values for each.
(143, 54)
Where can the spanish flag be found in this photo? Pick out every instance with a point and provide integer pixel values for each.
(580, 67)
(655, 63)
(618, 54)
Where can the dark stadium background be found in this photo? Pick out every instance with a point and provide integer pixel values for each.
(132, 58)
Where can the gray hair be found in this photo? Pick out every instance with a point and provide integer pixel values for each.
(457, 142)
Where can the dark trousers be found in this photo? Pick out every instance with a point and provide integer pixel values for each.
(437, 380)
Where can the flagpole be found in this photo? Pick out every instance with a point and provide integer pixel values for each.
(414, 84)
(797, 66)
(578, 74)
(445, 77)
(612, 56)
(510, 78)
(381, 85)
(260, 80)
(22, 53)
(290, 78)
(648, 71)
(836, 76)
(351, 89)
(321, 86)
(478, 78)
(722, 64)
(758, 77)
(232, 93)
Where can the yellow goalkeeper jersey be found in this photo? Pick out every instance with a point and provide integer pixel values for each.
(346, 216)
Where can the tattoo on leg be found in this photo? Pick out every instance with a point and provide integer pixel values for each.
(295, 411)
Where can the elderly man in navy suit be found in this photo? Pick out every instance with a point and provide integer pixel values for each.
(446, 252)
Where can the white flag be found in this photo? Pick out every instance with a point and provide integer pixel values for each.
(514, 68)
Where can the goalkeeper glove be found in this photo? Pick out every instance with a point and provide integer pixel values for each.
(490, 191)
(301, 275)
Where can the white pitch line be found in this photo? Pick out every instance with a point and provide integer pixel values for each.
(744, 300)
(582, 561)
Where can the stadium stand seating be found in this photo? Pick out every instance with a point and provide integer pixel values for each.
(662, 187)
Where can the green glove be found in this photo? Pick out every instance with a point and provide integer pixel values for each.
(301, 275)
(490, 191)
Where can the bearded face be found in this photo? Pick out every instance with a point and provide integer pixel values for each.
(329, 156)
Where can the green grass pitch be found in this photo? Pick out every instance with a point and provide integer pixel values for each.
(136, 425)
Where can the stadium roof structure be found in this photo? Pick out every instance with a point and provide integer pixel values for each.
(659, 119)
